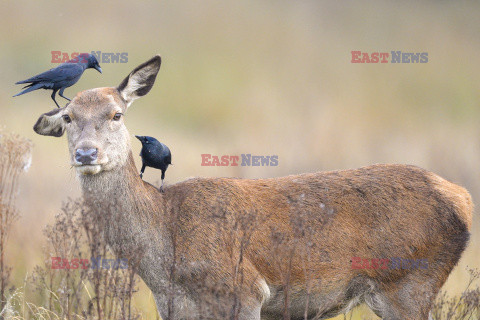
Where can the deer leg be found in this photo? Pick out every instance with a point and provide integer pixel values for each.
(408, 298)
(412, 296)
(250, 313)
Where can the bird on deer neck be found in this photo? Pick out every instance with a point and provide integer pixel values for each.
(155, 155)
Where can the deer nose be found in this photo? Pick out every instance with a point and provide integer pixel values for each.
(86, 156)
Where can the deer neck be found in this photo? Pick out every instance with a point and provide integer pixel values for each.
(122, 185)
(132, 208)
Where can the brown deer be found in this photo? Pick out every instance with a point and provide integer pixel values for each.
(224, 248)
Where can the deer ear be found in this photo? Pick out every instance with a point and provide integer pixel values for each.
(50, 123)
(140, 80)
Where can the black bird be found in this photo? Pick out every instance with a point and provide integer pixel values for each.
(154, 154)
(61, 77)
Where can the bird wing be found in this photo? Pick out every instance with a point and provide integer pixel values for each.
(167, 153)
(168, 158)
(64, 72)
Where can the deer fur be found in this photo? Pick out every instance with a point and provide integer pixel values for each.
(225, 248)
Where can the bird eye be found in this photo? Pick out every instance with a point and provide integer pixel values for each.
(67, 118)
(117, 116)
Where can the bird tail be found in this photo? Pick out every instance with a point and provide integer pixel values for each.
(28, 85)
(25, 81)
(31, 88)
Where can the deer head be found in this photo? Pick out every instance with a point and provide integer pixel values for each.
(97, 137)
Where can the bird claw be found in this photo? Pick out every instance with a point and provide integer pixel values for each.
(161, 189)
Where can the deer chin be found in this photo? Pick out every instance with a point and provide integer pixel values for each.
(90, 169)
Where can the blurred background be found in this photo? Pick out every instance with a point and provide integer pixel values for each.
(262, 77)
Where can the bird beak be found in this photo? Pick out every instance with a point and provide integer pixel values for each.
(97, 67)
(139, 138)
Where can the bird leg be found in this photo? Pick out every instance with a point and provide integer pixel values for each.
(163, 177)
(142, 171)
(61, 94)
(53, 98)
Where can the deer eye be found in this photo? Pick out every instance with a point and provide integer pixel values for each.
(67, 118)
(117, 116)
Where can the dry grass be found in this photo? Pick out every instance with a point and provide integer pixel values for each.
(99, 291)
(15, 158)
(464, 307)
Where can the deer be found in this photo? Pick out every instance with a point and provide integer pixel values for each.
(274, 248)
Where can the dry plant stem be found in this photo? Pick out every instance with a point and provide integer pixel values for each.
(15, 158)
(96, 292)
